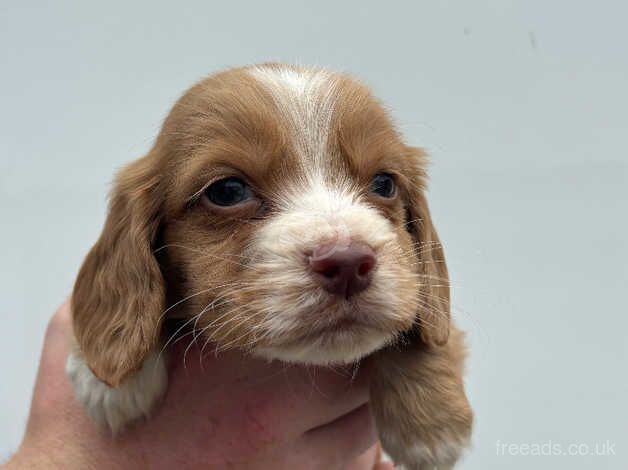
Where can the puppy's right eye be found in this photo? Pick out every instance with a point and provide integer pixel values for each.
(228, 192)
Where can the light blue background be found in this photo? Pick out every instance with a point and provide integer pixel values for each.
(523, 106)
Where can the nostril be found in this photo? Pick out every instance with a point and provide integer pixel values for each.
(331, 271)
(366, 267)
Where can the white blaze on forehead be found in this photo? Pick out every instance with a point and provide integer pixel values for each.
(306, 99)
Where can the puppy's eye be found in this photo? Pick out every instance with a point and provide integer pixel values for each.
(228, 192)
(383, 185)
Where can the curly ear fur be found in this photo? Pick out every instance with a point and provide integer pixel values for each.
(119, 294)
(434, 297)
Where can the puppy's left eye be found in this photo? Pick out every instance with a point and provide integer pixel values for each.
(383, 185)
(228, 192)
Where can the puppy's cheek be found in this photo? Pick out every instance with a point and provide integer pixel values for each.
(225, 326)
(393, 297)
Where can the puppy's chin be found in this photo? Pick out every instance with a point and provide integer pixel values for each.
(334, 347)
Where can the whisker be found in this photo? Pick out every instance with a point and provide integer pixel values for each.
(204, 253)
(190, 297)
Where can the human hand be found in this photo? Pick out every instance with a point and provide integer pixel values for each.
(229, 411)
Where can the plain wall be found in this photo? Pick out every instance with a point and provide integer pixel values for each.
(522, 105)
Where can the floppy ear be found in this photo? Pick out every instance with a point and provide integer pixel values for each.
(119, 294)
(434, 308)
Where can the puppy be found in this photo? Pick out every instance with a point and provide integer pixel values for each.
(278, 212)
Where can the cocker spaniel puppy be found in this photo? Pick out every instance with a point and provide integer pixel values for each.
(278, 212)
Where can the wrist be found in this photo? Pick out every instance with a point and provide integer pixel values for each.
(62, 453)
(50, 456)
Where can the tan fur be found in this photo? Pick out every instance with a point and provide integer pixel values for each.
(418, 399)
(119, 293)
(308, 142)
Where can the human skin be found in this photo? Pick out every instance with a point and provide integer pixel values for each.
(225, 412)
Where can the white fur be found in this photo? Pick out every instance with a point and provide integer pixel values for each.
(333, 349)
(115, 408)
(305, 98)
(316, 212)
(442, 456)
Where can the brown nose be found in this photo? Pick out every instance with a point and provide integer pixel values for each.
(344, 271)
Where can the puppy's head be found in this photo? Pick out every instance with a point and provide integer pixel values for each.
(289, 220)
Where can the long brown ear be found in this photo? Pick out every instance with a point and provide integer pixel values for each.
(119, 294)
(434, 296)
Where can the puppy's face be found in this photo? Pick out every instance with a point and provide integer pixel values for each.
(289, 221)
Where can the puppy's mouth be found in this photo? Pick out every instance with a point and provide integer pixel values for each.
(338, 315)
(321, 327)
(348, 324)
(345, 324)
(342, 341)
(337, 339)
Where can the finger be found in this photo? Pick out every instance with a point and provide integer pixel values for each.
(53, 399)
(327, 395)
(55, 348)
(344, 439)
(294, 398)
(59, 330)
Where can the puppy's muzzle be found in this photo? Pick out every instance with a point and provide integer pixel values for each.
(343, 270)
